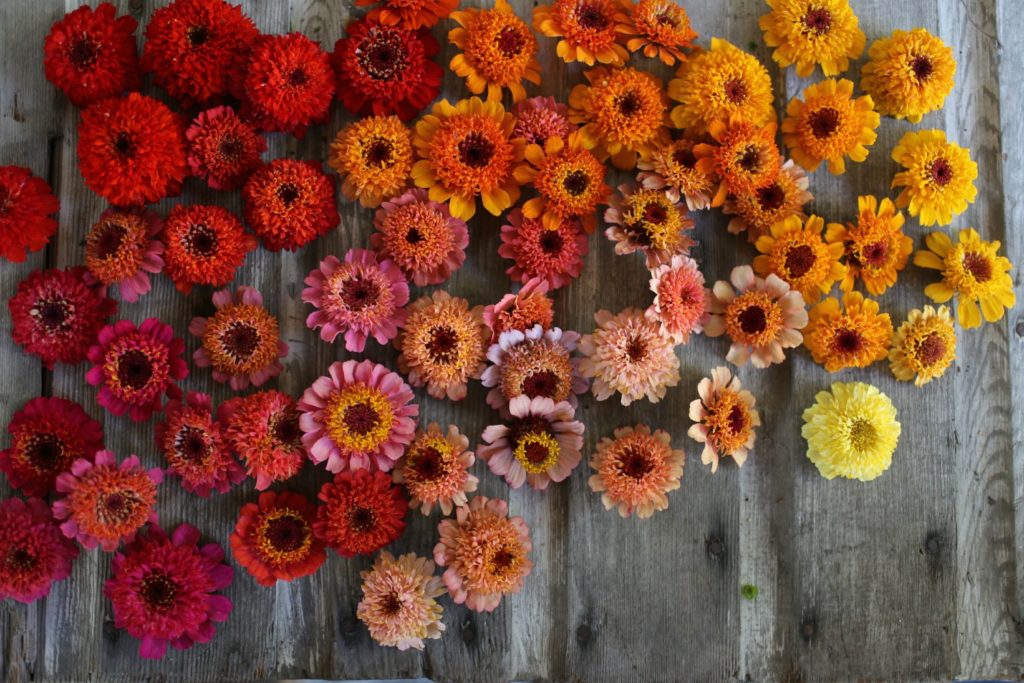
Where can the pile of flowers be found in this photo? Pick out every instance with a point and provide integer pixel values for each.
(707, 139)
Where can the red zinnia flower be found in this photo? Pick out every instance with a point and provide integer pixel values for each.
(203, 245)
(263, 429)
(56, 314)
(131, 150)
(222, 148)
(362, 512)
(386, 69)
(33, 551)
(289, 84)
(47, 435)
(91, 55)
(197, 49)
(274, 538)
(26, 204)
(289, 203)
(195, 448)
(554, 256)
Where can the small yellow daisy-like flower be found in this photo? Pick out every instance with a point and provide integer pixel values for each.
(812, 32)
(972, 271)
(374, 156)
(938, 182)
(908, 74)
(498, 51)
(744, 158)
(854, 338)
(757, 211)
(659, 28)
(796, 252)
(590, 30)
(851, 431)
(622, 112)
(829, 124)
(468, 150)
(875, 249)
(671, 166)
(924, 346)
(719, 84)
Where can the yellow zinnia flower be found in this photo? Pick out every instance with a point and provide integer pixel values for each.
(829, 124)
(938, 182)
(812, 32)
(796, 252)
(498, 51)
(854, 338)
(924, 346)
(908, 74)
(875, 247)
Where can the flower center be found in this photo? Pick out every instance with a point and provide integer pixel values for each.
(799, 260)
(390, 605)
(655, 213)
(978, 266)
(428, 464)
(475, 150)
(360, 418)
(359, 293)
(636, 348)
(737, 419)
(875, 254)
(413, 236)
(824, 122)
(240, 340)
(45, 452)
(297, 77)
(510, 42)
(931, 349)
(863, 434)
(231, 148)
(750, 159)
(922, 67)
(83, 52)
(200, 240)
(287, 533)
(551, 242)
(158, 590)
(109, 240)
(629, 103)
(117, 505)
(736, 91)
(20, 559)
(819, 20)
(53, 313)
(198, 35)
(543, 383)
(287, 193)
(635, 464)
(576, 183)
(771, 197)
(848, 341)
(941, 172)
(362, 519)
(285, 429)
(684, 157)
(379, 152)
(123, 145)
(537, 451)
(590, 17)
(191, 444)
(134, 369)
(441, 345)
(382, 56)
(753, 320)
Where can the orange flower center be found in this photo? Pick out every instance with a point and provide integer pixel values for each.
(635, 463)
(824, 122)
(941, 172)
(200, 240)
(922, 67)
(241, 338)
(848, 341)
(978, 265)
(736, 91)
(771, 197)
(753, 318)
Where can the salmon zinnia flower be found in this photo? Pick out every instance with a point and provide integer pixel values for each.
(648, 221)
(122, 250)
(274, 540)
(289, 84)
(923, 346)
(194, 446)
(798, 254)
(398, 605)
(26, 208)
(671, 166)
(590, 31)
(530, 306)
(498, 51)
(435, 469)
(222, 148)
(724, 419)
(410, 14)
(812, 32)
(373, 156)
(533, 363)
(554, 256)
(421, 237)
(635, 470)
(680, 300)
(744, 158)
(875, 247)
(289, 203)
(908, 74)
(829, 124)
(938, 177)
(540, 118)
(36, 554)
(263, 429)
(361, 513)
(203, 245)
(854, 338)
(659, 28)
(757, 211)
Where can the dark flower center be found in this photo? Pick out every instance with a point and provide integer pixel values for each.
(379, 153)
(287, 533)
(109, 239)
(191, 444)
(536, 453)
(590, 17)
(875, 254)
(361, 418)
(818, 19)
(931, 349)
(941, 172)
(636, 349)
(240, 340)
(551, 242)
(391, 605)
(519, 428)
(635, 464)
(502, 561)
(655, 213)
(158, 590)
(362, 519)
(824, 122)
(978, 266)
(849, 341)
(134, 369)
(576, 183)
(297, 77)
(197, 35)
(428, 464)
(413, 236)
(123, 145)
(441, 345)
(736, 91)
(475, 150)
(510, 42)
(45, 452)
(231, 148)
(359, 293)
(53, 313)
(21, 558)
(753, 320)
(381, 55)
(542, 383)
(771, 197)
(750, 159)
(799, 260)
(737, 420)
(285, 428)
(629, 104)
(200, 240)
(117, 505)
(83, 52)
(684, 157)
(922, 67)
(287, 193)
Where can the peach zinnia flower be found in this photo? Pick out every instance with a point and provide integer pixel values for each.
(648, 221)
(875, 248)
(398, 605)
(937, 177)
(635, 470)
(435, 469)
(680, 300)
(854, 338)
(533, 363)
(671, 166)
(421, 237)
(374, 158)
(923, 346)
(812, 32)
(797, 253)
(498, 51)
(829, 124)
(724, 419)
(590, 31)
(122, 249)
(554, 256)
(540, 118)
(757, 211)
(744, 158)
(659, 28)
(520, 311)
(908, 74)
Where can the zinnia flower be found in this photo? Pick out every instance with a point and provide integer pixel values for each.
(659, 28)
(533, 363)
(26, 207)
(421, 237)
(724, 419)
(435, 469)
(361, 513)
(57, 314)
(540, 118)
(757, 211)
(851, 431)
(223, 149)
(799, 255)
(743, 159)
(203, 245)
(35, 553)
(241, 341)
(132, 150)
(162, 590)
(274, 538)
(761, 317)
(829, 124)
(410, 14)
(590, 32)
(875, 248)
(91, 55)
(104, 503)
(135, 366)
(263, 429)
(923, 346)
(498, 51)
(854, 338)
(908, 74)
(443, 344)
(554, 256)
(671, 166)
(122, 250)
(938, 177)
(373, 156)
(812, 32)
(486, 553)
(635, 470)
(648, 221)
(47, 435)
(194, 446)
(398, 605)
(521, 311)
(680, 300)
(289, 203)
(972, 271)
(629, 354)
(357, 416)
(359, 297)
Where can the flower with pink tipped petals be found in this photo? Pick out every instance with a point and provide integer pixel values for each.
(34, 552)
(555, 256)
(520, 311)
(724, 419)
(195, 448)
(533, 363)
(540, 118)
(681, 302)
(263, 429)
(122, 250)
(398, 605)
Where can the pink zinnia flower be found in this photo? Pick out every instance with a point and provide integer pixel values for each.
(520, 311)
(398, 605)
(360, 297)
(555, 256)
(122, 250)
(724, 418)
(533, 363)
(635, 470)
(435, 469)
(263, 429)
(540, 118)
(223, 149)
(195, 448)
(35, 553)
(163, 590)
(681, 302)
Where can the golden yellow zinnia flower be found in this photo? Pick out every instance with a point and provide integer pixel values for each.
(938, 182)
(374, 157)
(796, 252)
(908, 74)
(660, 28)
(498, 51)
(924, 346)
(875, 247)
(829, 124)
(854, 338)
(589, 31)
(812, 32)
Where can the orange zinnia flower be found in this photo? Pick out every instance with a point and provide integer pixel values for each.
(855, 338)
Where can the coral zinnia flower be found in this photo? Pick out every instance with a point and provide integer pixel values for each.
(289, 203)
(971, 270)
(855, 338)
(421, 237)
(289, 84)
(373, 156)
(131, 150)
(91, 55)
(241, 341)
(757, 211)
(357, 416)
(622, 113)
(104, 502)
(590, 31)
(35, 553)
(540, 443)
(635, 470)
(361, 513)
(540, 118)
(135, 366)
(724, 419)
(851, 431)
(358, 298)
(908, 74)
(744, 158)
(263, 429)
(797, 253)
(274, 538)
(829, 124)
(812, 32)
(468, 150)
(521, 311)
(498, 51)
(195, 448)
(26, 207)
(163, 590)
(398, 605)
(875, 248)
(671, 166)
(203, 245)
(57, 314)
(923, 346)
(223, 149)
(122, 250)
(533, 363)
(718, 85)
(554, 256)
(680, 300)
(410, 14)
(648, 221)
(443, 344)
(938, 180)
(628, 353)
(659, 28)
(486, 553)
(761, 317)
(435, 469)
(383, 70)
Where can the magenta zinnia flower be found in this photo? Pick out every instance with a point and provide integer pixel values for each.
(263, 429)
(195, 448)
(533, 363)
(33, 551)
(681, 302)
(555, 256)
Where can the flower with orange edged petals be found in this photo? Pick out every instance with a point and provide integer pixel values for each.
(263, 429)
(829, 124)
(203, 245)
(409, 14)
(648, 221)
(908, 74)
(374, 157)
(555, 256)
(812, 32)
(289, 203)
(744, 158)
(875, 248)
(635, 470)
(540, 118)
(362, 512)
(421, 237)
(854, 338)
(289, 84)
(398, 605)
(924, 346)
(521, 311)
(680, 300)
(122, 250)
(659, 28)
(36, 554)
(533, 363)
(757, 211)
(724, 419)
(194, 446)
(273, 538)
(937, 177)
(223, 149)
(590, 30)
(671, 166)
(435, 470)
(26, 206)
(498, 51)
(797, 253)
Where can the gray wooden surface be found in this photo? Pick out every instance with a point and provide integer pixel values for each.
(916, 576)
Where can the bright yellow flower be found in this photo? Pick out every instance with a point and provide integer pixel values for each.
(854, 338)
(938, 182)
(812, 32)
(590, 31)
(498, 51)
(908, 74)
(829, 124)
(374, 158)
(876, 249)
(796, 252)
(660, 28)
(924, 346)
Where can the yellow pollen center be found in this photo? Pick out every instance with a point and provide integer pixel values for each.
(537, 452)
(863, 435)
(358, 417)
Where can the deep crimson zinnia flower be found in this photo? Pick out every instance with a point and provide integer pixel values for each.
(274, 538)
(203, 245)
(362, 512)
(289, 203)
(26, 207)
(33, 551)
(222, 148)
